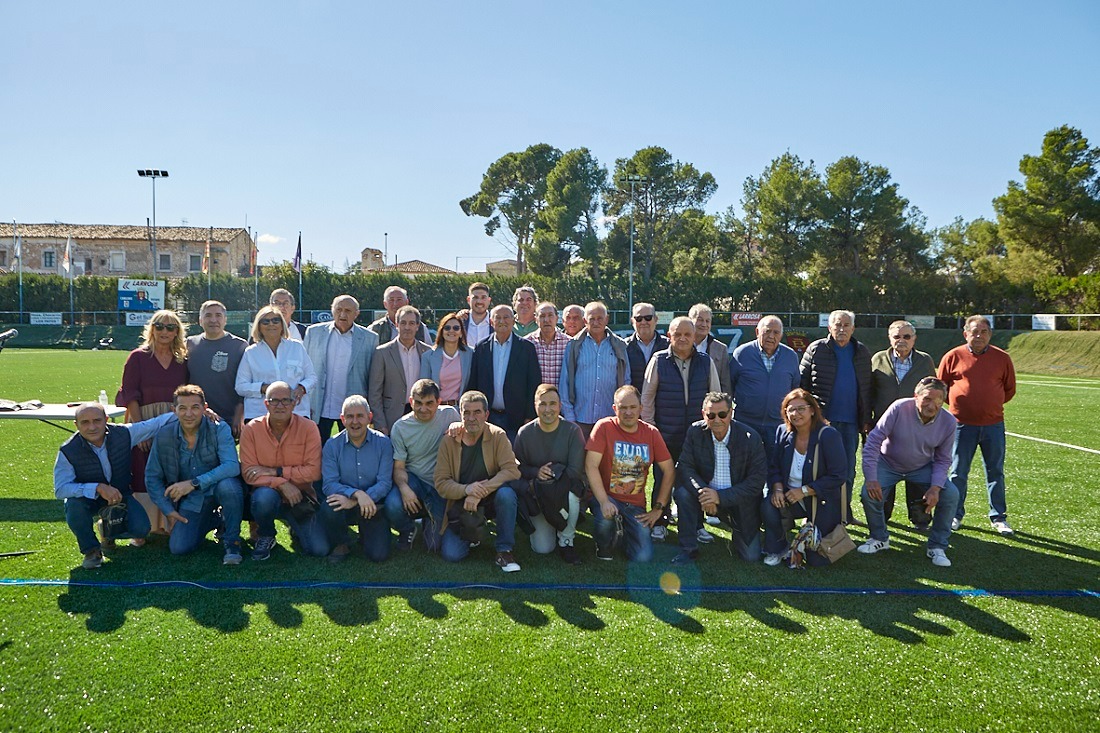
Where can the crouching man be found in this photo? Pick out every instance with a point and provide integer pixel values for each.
(912, 441)
(357, 476)
(720, 471)
(280, 460)
(192, 470)
(473, 475)
(92, 472)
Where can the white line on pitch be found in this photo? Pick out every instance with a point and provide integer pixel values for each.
(1057, 384)
(1051, 442)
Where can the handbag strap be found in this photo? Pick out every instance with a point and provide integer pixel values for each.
(843, 486)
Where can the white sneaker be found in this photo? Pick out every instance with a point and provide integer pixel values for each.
(939, 558)
(871, 546)
(658, 533)
(712, 521)
(704, 537)
(955, 524)
(1003, 528)
(773, 559)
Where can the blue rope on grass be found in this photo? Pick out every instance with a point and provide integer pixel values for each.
(603, 588)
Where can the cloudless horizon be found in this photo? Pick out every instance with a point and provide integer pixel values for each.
(348, 120)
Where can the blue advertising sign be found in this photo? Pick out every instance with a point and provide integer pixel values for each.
(140, 295)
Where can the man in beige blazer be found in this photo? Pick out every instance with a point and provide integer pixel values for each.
(394, 369)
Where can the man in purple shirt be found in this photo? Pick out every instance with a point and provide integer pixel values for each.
(913, 441)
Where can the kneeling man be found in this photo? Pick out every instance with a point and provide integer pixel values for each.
(356, 478)
(192, 470)
(473, 475)
(280, 460)
(92, 472)
(720, 471)
(912, 441)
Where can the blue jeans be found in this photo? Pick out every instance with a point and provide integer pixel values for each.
(639, 546)
(267, 506)
(849, 435)
(942, 514)
(991, 439)
(505, 504)
(81, 513)
(434, 506)
(374, 533)
(229, 495)
(745, 539)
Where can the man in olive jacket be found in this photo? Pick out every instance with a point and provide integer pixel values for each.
(728, 487)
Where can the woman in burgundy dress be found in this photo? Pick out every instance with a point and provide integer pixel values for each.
(151, 375)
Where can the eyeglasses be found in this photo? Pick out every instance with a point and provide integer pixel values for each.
(165, 326)
(281, 401)
(798, 410)
(647, 319)
(270, 321)
(902, 336)
(452, 327)
(718, 415)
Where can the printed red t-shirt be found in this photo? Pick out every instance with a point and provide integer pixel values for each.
(626, 458)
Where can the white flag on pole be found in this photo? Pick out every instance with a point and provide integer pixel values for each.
(19, 248)
(67, 259)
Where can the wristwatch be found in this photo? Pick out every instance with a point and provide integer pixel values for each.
(194, 483)
(658, 505)
(279, 471)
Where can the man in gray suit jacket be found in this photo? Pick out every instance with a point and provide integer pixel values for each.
(385, 327)
(394, 370)
(341, 351)
(706, 343)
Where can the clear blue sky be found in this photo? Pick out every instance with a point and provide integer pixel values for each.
(346, 120)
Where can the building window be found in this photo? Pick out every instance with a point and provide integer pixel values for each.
(3, 258)
(164, 261)
(118, 262)
(87, 265)
(49, 260)
(194, 263)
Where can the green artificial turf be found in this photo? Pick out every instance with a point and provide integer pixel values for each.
(610, 652)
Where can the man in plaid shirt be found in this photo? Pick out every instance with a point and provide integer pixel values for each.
(549, 342)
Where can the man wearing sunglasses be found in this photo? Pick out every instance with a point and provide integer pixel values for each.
(644, 342)
(895, 373)
(721, 470)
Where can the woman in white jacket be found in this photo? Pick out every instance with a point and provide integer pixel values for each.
(274, 357)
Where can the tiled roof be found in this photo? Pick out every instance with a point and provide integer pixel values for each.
(416, 267)
(119, 232)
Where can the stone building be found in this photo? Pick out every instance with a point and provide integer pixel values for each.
(125, 251)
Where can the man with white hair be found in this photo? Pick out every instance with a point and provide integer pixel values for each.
(284, 301)
(644, 342)
(594, 366)
(385, 328)
(705, 342)
(572, 319)
(341, 351)
(837, 371)
(762, 372)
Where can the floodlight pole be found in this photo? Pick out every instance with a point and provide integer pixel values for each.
(632, 179)
(153, 174)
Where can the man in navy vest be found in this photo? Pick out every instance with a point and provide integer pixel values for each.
(192, 470)
(644, 342)
(676, 381)
(92, 472)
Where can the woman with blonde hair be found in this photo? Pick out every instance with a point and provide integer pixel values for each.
(274, 357)
(150, 376)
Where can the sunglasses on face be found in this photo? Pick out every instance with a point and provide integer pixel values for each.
(452, 327)
(647, 319)
(165, 326)
(281, 401)
(718, 415)
(270, 321)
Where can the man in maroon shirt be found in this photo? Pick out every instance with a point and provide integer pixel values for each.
(981, 379)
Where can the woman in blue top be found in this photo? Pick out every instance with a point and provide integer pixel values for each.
(792, 488)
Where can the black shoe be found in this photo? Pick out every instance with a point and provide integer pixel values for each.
(685, 557)
(569, 554)
(603, 553)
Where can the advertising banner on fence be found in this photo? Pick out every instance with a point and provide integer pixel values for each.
(920, 322)
(1043, 322)
(138, 318)
(45, 319)
(140, 295)
(745, 319)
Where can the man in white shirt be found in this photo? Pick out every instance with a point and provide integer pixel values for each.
(341, 351)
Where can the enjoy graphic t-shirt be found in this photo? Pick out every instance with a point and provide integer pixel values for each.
(627, 457)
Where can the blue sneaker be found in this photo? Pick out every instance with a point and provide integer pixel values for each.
(232, 554)
(263, 549)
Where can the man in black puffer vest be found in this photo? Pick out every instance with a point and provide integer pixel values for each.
(676, 381)
(92, 471)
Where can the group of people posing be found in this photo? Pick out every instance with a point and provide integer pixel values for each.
(507, 419)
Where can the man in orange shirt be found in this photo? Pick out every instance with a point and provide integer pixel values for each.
(280, 460)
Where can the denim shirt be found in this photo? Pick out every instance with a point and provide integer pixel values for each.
(346, 469)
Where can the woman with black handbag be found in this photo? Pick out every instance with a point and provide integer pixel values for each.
(806, 472)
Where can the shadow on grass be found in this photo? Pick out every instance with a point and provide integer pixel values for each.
(777, 597)
(32, 510)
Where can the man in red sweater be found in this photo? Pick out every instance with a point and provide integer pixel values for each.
(981, 379)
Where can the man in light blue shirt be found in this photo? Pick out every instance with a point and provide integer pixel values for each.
(192, 470)
(356, 478)
(92, 472)
(594, 366)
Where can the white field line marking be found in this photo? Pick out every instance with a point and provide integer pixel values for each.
(1056, 384)
(1051, 442)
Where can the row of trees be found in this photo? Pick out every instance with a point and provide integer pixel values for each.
(835, 229)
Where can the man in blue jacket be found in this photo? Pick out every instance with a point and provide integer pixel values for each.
(762, 372)
(192, 470)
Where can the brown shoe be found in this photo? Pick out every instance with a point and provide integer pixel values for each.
(506, 561)
(93, 559)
